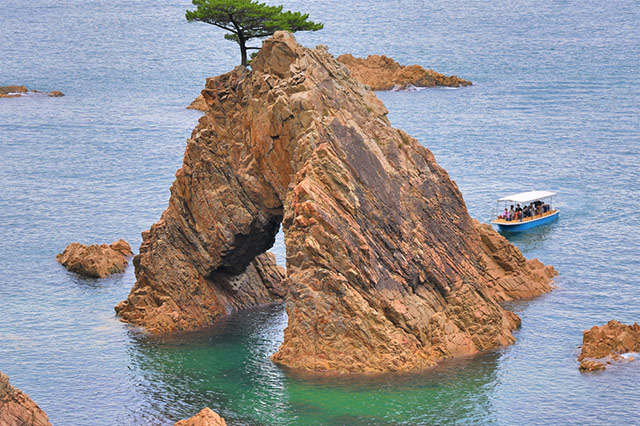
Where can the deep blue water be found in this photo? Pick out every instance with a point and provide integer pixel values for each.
(555, 105)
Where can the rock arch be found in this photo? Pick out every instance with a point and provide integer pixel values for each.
(386, 270)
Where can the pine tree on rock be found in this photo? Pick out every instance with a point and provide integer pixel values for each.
(247, 19)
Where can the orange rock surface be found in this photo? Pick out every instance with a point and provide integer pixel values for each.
(95, 260)
(17, 409)
(588, 366)
(206, 417)
(199, 104)
(604, 344)
(11, 91)
(386, 271)
(380, 73)
(383, 73)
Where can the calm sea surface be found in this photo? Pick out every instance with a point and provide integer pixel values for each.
(555, 105)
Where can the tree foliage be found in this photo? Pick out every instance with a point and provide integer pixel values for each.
(247, 19)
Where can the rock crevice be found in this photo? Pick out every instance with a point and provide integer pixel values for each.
(386, 271)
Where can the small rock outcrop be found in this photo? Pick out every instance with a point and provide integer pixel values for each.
(383, 73)
(96, 261)
(16, 91)
(17, 409)
(602, 345)
(206, 417)
(12, 91)
(386, 271)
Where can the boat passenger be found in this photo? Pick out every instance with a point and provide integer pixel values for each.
(512, 213)
(504, 215)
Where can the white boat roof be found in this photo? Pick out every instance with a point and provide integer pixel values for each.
(527, 197)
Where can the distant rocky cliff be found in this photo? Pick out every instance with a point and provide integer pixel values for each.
(385, 269)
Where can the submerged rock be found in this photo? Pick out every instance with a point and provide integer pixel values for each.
(605, 344)
(95, 260)
(383, 73)
(17, 409)
(206, 417)
(590, 365)
(385, 269)
(16, 91)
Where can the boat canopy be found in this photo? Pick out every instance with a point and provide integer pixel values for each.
(527, 197)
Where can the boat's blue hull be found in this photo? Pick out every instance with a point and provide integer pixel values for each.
(516, 225)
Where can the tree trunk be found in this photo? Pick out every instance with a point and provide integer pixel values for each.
(243, 50)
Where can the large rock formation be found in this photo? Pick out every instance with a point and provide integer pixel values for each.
(95, 260)
(601, 345)
(17, 91)
(17, 409)
(385, 268)
(206, 417)
(383, 73)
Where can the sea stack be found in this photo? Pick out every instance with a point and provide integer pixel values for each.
(386, 271)
(17, 409)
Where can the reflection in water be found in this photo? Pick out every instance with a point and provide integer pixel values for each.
(531, 239)
(227, 368)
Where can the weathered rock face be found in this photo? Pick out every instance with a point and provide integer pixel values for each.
(385, 268)
(601, 345)
(17, 409)
(383, 73)
(95, 260)
(16, 91)
(206, 417)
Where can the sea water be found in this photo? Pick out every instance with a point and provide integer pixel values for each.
(555, 105)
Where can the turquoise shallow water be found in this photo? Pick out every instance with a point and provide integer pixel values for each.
(555, 105)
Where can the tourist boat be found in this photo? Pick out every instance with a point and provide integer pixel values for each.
(524, 198)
